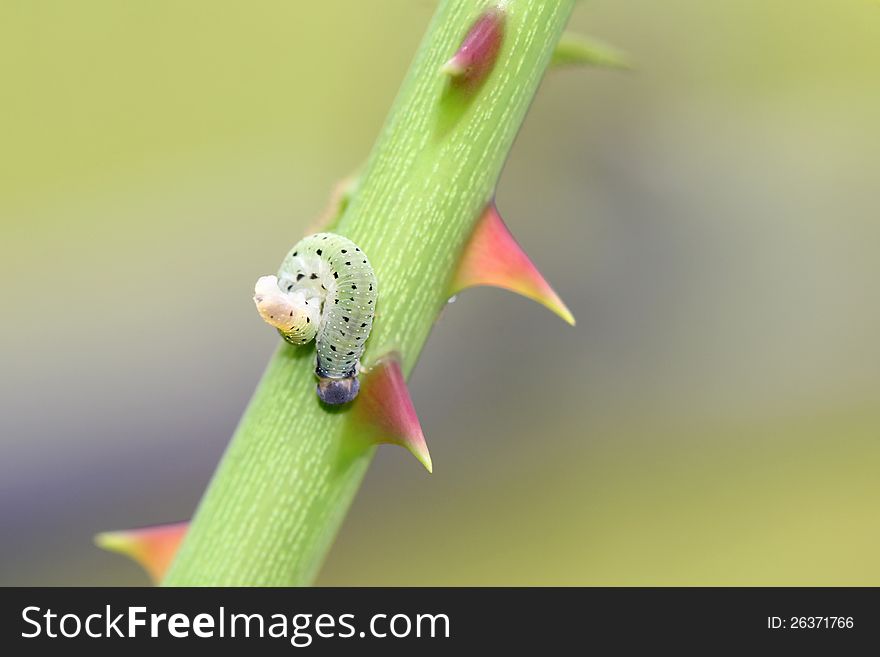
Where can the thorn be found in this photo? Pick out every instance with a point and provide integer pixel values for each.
(493, 258)
(574, 49)
(151, 547)
(336, 205)
(478, 51)
(385, 407)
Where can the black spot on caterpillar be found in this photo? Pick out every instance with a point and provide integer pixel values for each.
(301, 296)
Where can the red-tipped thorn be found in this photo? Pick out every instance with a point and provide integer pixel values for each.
(493, 257)
(385, 409)
(151, 547)
(477, 53)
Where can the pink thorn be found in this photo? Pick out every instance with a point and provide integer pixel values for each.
(384, 405)
(151, 547)
(494, 258)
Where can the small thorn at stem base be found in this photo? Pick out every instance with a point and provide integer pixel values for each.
(153, 548)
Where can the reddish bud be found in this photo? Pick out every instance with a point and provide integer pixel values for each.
(478, 51)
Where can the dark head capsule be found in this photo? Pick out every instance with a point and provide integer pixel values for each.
(338, 391)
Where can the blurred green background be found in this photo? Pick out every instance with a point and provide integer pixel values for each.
(711, 219)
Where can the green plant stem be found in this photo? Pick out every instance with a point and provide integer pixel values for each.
(292, 469)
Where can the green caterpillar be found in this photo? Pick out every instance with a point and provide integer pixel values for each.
(325, 291)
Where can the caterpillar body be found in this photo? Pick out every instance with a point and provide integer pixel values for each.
(325, 291)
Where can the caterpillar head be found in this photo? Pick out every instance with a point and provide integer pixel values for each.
(338, 391)
(292, 314)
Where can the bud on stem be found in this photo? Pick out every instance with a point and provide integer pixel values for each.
(475, 57)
